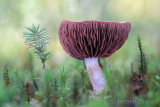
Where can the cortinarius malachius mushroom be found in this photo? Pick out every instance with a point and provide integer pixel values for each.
(90, 40)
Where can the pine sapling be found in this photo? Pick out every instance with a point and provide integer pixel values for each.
(37, 39)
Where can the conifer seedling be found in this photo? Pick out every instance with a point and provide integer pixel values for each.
(37, 39)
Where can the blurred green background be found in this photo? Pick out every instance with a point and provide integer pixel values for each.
(16, 14)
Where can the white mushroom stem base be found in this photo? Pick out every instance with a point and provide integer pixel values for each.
(96, 75)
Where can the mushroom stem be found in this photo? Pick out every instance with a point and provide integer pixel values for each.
(96, 75)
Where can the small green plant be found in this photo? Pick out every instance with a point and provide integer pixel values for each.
(6, 76)
(63, 78)
(142, 58)
(138, 79)
(37, 39)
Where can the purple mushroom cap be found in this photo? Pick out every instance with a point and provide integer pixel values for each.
(89, 39)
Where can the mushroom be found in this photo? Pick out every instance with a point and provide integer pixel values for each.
(90, 40)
